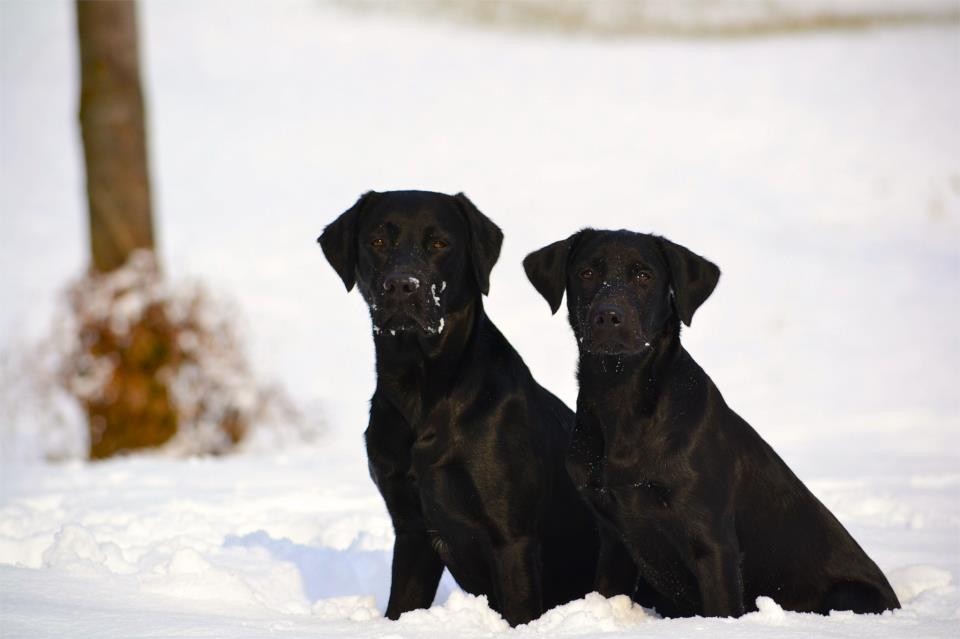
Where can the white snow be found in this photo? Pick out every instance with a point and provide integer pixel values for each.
(819, 171)
(250, 544)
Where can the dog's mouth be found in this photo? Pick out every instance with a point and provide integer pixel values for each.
(616, 346)
(404, 323)
(420, 313)
(608, 348)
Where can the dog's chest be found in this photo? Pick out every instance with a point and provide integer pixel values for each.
(454, 486)
(625, 472)
(436, 440)
(453, 510)
(439, 466)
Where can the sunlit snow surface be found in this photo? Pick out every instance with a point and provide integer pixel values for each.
(252, 544)
(820, 171)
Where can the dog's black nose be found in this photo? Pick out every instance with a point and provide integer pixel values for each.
(400, 285)
(608, 316)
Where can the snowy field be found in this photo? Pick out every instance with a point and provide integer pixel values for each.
(820, 171)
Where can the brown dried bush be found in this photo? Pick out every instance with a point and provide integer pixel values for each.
(152, 364)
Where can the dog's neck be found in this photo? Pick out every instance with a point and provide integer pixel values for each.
(417, 357)
(610, 382)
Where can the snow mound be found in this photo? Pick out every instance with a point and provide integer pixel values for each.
(768, 613)
(462, 611)
(910, 582)
(75, 548)
(593, 613)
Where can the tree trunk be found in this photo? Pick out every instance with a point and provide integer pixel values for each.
(112, 125)
(133, 408)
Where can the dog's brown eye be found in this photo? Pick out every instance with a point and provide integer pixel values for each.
(439, 244)
(378, 243)
(639, 274)
(586, 274)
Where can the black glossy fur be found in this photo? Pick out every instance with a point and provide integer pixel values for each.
(690, 497)
(465, 447)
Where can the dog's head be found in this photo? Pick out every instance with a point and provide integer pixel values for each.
(415, 256)
(623, 289)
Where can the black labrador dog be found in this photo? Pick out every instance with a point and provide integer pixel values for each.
(690, 498)
(465, 447)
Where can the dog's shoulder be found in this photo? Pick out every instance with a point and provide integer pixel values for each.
(503, 364)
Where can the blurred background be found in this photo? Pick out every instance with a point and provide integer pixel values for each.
(808, 148)
(166, 168)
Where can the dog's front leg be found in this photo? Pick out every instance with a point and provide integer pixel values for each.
(616, 570)
(415, 574)
(719, 576)
(518, 580)
(417, 567)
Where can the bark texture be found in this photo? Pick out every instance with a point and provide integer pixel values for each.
(112, 125)
(133, 407)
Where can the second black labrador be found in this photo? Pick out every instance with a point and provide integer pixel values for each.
(691, 498)
(465, 447)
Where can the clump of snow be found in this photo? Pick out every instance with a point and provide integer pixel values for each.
(436, 294)
(768, 612)
(461, 610)
(593, 613)
(75, 548)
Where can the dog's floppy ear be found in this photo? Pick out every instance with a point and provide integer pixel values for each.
(547, 270)
(693, 278)
(485, 241)
(339, 241)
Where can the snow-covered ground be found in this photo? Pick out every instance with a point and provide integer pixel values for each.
(820, 171)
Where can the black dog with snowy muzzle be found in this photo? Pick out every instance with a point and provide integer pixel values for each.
(690, 498)
(463, 444)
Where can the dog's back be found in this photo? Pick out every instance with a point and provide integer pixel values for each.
(793, 545)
